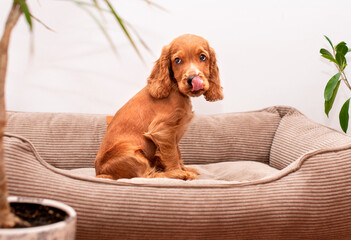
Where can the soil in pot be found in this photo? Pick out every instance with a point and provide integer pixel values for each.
(36, 214)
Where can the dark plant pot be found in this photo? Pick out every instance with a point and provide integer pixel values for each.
(64, 229)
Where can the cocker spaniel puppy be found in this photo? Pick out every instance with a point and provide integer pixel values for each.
(142, 138)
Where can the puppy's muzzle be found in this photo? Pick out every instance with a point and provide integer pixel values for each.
(196, 83)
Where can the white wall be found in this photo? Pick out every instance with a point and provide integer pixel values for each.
(268, 54)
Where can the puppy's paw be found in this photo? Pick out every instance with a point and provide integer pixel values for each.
(180, 174)
(191, 175)
(190, 169)
(187, 175)
(104, 176)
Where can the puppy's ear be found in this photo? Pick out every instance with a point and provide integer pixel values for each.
(214, 92)
(159, 81)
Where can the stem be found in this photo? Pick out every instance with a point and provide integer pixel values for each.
(7, 219)
(346, 81)
(343, 75)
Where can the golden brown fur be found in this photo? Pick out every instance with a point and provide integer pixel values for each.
(142, 138)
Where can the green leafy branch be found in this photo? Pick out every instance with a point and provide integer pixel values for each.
(97, 4)
(338, 57)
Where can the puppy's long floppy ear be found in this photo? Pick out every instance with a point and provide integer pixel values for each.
(214, 92)
(159, 81)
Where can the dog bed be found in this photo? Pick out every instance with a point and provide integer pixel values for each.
(302, 189)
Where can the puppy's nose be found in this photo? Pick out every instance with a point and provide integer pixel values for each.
(190, 80)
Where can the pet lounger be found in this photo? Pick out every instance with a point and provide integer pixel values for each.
(307, 194)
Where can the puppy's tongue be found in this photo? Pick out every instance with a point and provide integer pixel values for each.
(197, 84)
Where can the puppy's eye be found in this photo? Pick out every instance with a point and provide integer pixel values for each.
(203, 58)
(178, 61)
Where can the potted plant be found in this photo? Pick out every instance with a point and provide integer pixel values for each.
(37, 217)
(62, 218)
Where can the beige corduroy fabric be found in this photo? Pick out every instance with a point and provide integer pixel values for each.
(64, 140)
(309, 198)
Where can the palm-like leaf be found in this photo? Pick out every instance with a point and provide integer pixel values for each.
(96, 4)
(98, 22)
(126, 32)
(25, 11)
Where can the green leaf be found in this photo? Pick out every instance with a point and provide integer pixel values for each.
(25, 10)
(329, 42)
(120, 21)
(139, 37)
(341, 48)
(99, 24)
(340, 60)
(329, 104)
(344, 115)
(329, 88)
(326, 52)
(332, 59)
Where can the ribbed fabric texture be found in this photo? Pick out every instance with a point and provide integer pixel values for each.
(297, 135)
(64, 140)
(230, 137)
(310, 200)
(70, 141)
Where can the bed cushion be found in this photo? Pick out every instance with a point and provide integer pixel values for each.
(212, 173)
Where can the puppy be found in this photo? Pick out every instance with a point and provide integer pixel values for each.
(143, 136)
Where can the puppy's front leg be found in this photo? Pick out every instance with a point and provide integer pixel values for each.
(163, 134)
(174, 168)
(164, 131)
(190, 169)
